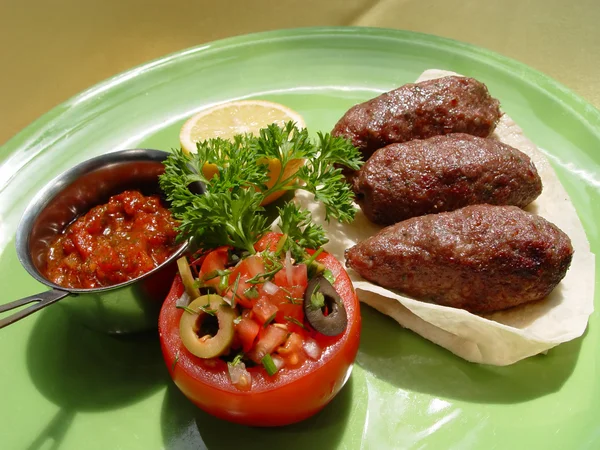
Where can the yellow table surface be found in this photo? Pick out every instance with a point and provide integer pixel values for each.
(50, 50)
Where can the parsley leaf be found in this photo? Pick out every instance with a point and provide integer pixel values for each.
(300, 231)
(234, 175)
(187, 309)
(237, 359)
(326, 182)
(297, 224)
(317, 300)
(328, 275)
(285, 143)
(251, 293)
(294, 321)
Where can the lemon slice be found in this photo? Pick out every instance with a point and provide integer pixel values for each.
(245, 116)
(228, 119)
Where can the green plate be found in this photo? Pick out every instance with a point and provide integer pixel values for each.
(66, 387)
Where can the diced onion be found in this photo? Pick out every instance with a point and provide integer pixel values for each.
(311, 348)
(228, 300)
(184, 300)
(278, 361)
(240, 377)
(288, 267)
(270, 288)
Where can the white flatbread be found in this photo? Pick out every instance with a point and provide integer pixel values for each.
(504, 337)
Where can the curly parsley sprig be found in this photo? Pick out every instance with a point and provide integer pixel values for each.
(300, 232)
(229, 212)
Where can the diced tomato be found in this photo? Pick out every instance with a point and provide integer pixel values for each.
(252, 266)
(272, 338)
(264, 310)
(198, 261)
(215, 260)
(242, 287)
(292, 316)
(268, 242)
(291, 351)
(247, 330)
(247, 269)
(297, 277)
(280, 279)
(289, 304)
(236, 343)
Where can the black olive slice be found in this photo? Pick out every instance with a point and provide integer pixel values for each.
(336, 320)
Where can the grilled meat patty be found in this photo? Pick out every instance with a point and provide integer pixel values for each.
(481, 258)
(443, 173)
(418, 111)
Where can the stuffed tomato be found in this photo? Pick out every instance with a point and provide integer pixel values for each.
(250, 351)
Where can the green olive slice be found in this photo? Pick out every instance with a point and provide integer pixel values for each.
(187, 278)
(190, 326)
(336, 321)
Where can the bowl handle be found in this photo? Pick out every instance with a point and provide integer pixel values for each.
(40, 301)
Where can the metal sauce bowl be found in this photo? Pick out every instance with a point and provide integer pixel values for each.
(127, 307)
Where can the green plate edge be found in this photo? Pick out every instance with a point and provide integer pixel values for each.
(538, 80)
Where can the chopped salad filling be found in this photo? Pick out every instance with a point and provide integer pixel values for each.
(261, 298)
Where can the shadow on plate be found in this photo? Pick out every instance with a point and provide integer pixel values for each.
(184, 426)
(54, 432)
(82, 370)
(408, 361)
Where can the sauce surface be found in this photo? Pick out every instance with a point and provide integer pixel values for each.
(113, 243)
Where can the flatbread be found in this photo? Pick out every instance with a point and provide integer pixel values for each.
(504, 337)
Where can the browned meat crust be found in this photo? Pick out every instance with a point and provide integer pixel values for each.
(443, 173)
(480, 258)
(419, 111)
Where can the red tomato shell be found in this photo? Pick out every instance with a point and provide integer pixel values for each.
(289, 396)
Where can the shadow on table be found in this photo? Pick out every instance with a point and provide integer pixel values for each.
(408, 361)
(82, 370)
(185, 426)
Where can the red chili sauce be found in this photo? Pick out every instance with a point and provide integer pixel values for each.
(115, 242)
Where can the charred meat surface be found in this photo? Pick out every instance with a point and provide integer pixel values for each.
(481, 258)
(418, 111)
(443, 173)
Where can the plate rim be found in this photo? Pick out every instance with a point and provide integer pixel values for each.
(580, 107)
